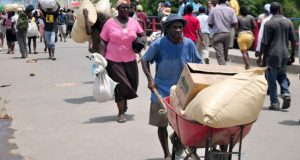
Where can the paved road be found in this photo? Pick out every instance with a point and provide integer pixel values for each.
(55, 116)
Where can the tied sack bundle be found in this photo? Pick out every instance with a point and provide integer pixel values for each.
(104, 86)
(92, 18)
(78, 34)
(49, 4)
(232, 102)
(103, 6)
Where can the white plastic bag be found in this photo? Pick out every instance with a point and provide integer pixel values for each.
(32, 30)
(49, 4)
(104, 86)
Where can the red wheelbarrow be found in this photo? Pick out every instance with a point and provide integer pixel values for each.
(190, 135)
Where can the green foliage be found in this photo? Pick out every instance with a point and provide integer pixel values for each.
(290, 7)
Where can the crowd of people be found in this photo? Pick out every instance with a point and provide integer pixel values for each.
(27, 25)
(186, 37)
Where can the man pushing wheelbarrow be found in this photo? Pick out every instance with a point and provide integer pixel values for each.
(170, 53)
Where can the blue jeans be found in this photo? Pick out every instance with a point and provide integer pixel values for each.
(50, 39)
(279, 75)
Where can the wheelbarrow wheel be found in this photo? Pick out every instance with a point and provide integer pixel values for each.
(178, 147)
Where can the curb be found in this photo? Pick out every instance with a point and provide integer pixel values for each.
(235, 56)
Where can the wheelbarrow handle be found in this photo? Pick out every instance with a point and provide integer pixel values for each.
(160, 101)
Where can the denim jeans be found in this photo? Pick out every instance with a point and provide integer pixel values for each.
(279, 75)
(50, 39)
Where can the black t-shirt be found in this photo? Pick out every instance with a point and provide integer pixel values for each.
(50, 21)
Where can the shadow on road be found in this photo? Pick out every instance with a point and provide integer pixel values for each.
(90, 82)
(105, 119)
(5, 147)
(267, 109)
(290, 123)
(80, 100)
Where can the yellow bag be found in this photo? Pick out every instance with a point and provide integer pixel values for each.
(79, 34)
(92, 13)
(234, 101)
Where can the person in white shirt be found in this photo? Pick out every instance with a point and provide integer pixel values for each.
(203, 49)
(261, 30)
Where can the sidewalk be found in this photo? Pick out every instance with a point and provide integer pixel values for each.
(235, 56)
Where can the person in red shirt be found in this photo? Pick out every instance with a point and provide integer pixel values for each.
(142, 17)
(192, 28)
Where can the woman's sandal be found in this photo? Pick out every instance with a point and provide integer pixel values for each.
(121, 118)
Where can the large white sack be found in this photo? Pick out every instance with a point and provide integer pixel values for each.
(235, 101)
(49, 4)
(104, 86)
(92, 17)
(78, 34)
(103, 6)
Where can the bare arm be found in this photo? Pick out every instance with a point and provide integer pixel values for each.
(143, 36)
(102, 47)
(253, 24)
(201, 36)
(146, 69)
(88, 28)
(292, 57)
(58, 6)
(235, 25)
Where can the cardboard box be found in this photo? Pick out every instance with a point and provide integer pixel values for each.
(196, 77)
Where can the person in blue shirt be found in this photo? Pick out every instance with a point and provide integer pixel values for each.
(170, 53)
(181, 7)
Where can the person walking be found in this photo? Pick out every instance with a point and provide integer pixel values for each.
(49, 17)
(246, 23)
(278, 32)
(61, 24)
(192, 28)
(117, 36)
(170, 53)
(267, 17)
(203, 49)
(234, 4)
(210, 6)
(10, 32)
(181, 7)
(20, 23)
(221, 19)
(142, 17)
(2, 29)
(94, 30)
(32, 32)
(70, 21)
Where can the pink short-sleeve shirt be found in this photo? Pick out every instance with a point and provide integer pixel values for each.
(119, 47)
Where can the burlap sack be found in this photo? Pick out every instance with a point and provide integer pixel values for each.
(79, 34)
(11, 7)
(92, 13)
(235, 101)
(103, 6)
